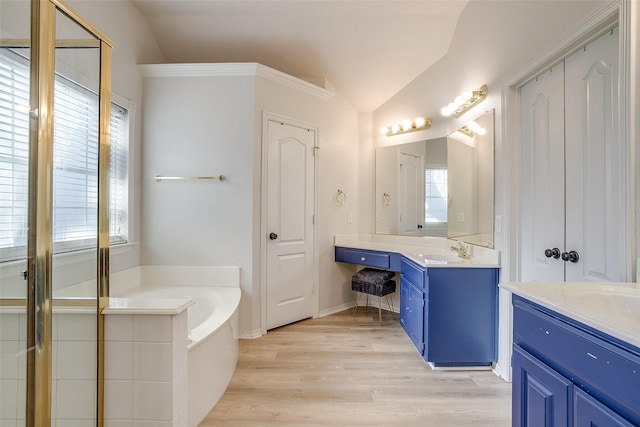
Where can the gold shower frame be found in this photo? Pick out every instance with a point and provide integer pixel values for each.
(40, 246)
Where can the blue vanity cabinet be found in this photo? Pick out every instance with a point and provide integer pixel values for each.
(454, 310)
(568, 374)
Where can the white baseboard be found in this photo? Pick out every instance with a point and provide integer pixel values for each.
(336, 309)
(250, 335)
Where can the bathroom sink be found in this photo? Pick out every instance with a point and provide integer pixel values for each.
(443, 257)
(618, 302)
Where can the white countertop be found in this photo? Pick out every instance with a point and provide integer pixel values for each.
(165, 306)
(426, 251)
(613, 308)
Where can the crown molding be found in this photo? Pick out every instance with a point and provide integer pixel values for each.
(238, 69)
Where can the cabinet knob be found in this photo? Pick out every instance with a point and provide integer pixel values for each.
(362, 258)
(571, 256)
(555, 253)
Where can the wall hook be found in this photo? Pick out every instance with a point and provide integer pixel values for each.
(386, 199)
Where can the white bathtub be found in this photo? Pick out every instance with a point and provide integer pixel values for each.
(213, 336)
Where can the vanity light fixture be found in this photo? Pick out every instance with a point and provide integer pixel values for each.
(472, 129)
(463, 103)
(419, 123)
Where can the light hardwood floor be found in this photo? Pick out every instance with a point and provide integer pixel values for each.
(344, 370)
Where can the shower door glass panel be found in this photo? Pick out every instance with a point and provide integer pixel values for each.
(75, 224)
(15, 27)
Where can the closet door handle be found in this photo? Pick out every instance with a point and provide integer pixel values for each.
(571, 256)
(555, 253)
(273, 236)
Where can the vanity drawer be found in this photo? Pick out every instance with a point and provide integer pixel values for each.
(363, 257)
(603, 369)
(413, 272)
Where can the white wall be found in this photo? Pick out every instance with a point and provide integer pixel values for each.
(200, 126)
(213, 125)
(462, 162)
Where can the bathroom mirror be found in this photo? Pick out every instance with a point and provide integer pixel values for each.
(441, 187)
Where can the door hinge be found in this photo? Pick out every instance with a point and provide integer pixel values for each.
(313, 219)
(315, 149)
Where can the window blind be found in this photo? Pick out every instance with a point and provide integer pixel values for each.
(75, 161)
(436, 195)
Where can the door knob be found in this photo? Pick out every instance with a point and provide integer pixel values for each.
(571, 256)
(555, 253)
(273, 236)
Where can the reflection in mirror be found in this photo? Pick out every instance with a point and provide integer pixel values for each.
(441, 187)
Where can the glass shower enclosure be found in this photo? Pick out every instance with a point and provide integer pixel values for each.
(55, 84)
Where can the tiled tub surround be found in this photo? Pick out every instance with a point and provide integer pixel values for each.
(160, 370)
(210, 345)
(73, 371)
(146, 362)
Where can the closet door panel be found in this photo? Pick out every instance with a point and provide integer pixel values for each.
(543, 176)
(593, 158)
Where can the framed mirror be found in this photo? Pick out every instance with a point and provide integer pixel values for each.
(441, 187)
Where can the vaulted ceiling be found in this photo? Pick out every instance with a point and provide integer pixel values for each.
(367, 50)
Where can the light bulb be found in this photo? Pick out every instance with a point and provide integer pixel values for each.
(384, 130)
(395, 128)
(458, 101)
(481, 131)
(467, 94)
(445, 111)
(420, 122)
(406, 125)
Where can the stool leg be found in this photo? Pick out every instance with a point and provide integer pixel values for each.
(390, 302)
(380, 309)
(356, 306)
(366, 307)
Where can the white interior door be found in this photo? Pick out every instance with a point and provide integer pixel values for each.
(290, 240)
(411, 194)
(543, 176)
(594, 162)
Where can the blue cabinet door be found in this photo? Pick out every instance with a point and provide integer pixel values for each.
(404, 305)
(411, 318)
(541, 397)
(589, 412)
(416, 319)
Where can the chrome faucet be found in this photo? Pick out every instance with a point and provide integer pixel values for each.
(462, 250)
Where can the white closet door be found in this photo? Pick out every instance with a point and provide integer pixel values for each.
(594, 171)
(543, 176)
